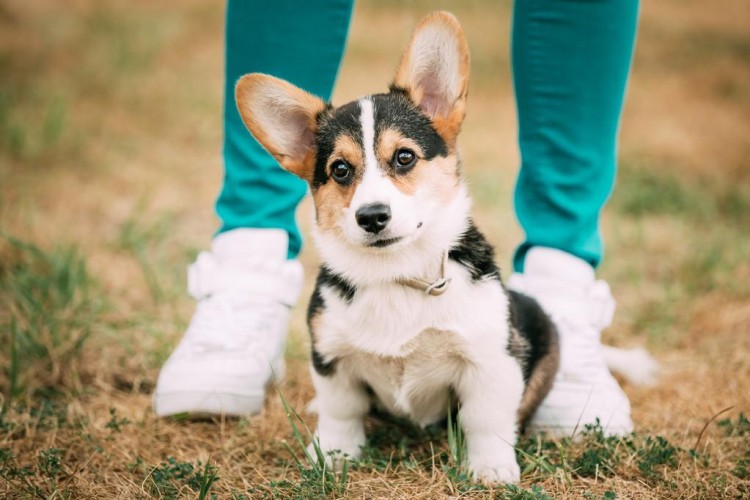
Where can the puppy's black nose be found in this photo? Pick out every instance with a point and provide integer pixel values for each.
(374, 217)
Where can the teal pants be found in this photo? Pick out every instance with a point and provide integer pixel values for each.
(302, 42)
(571, 60)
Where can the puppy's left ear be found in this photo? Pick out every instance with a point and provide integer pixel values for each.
(434, 71)
(283, 118)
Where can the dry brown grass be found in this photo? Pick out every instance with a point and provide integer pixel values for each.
(110, 130)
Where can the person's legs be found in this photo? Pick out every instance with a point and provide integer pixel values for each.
(571, 61)
(248, 281)
(303, 43)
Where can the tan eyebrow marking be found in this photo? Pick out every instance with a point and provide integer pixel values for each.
(332, 198)
(346, 148)
(390, 140)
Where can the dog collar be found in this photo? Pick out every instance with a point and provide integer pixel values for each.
(434, 288)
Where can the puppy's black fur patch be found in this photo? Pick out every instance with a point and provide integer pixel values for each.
(321, 366)
(396, 111)
(534, 342)
(534, 327)
(475, 254)
(331, 124)
(346, 291)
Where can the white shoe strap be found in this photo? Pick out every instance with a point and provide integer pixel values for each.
(207, 276)
(595, 303)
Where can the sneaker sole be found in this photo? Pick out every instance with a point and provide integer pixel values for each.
(208, 404)
(560, 431)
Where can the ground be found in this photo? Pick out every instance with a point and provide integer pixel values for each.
(110, 138)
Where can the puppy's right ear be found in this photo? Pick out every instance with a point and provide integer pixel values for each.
(283, 118)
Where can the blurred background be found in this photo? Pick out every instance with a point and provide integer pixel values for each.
(110, 161)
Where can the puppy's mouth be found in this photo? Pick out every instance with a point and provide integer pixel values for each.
(385, 242)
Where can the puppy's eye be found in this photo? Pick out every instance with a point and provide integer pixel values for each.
(341, 172)
(404, 159)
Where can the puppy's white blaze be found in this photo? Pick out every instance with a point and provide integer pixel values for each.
(372, 188)
(367, 120)
(375, 186)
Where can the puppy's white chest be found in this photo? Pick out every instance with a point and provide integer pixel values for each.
(409, 348)
(418, 383)
(386, 319)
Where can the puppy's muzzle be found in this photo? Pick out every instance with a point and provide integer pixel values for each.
(374, 217)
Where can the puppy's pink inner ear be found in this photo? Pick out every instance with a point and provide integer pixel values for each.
(434, 68)
(434, 102)
(282, 118)
(299, 139)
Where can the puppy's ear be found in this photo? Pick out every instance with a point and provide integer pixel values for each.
(282, 118)
(434, 71)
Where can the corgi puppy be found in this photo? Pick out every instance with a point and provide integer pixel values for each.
(409, 312)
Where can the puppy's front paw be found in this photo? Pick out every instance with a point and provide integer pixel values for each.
(494, 468)
(334, 459)
(336, 449)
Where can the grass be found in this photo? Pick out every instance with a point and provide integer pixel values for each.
(321, 474)
(171, 478)
(649, 190)
(32, 137)
(110, 137)
(145, 242)
(38, 481)
(51, 308)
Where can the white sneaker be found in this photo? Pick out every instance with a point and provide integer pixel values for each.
(584, 389)
(234, 344)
